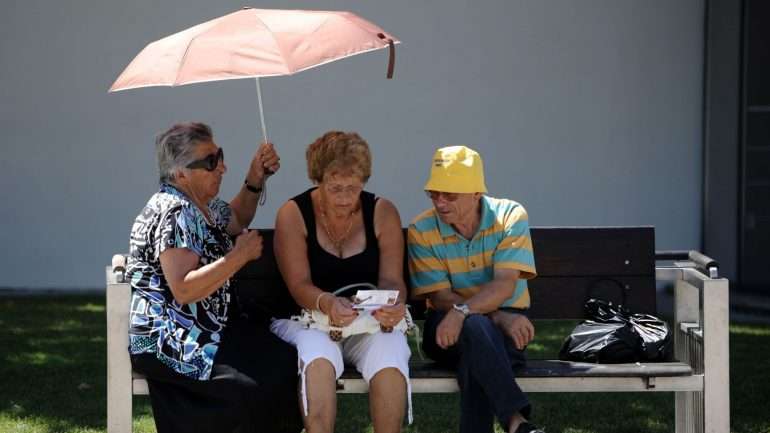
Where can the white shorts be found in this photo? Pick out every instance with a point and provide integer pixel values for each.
(370, 353)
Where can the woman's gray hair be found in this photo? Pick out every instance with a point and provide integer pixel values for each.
(175, 147)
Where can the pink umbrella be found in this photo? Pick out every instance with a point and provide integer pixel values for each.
(254, 43)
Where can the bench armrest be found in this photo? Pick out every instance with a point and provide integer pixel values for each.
(701, 332)
(702, 262)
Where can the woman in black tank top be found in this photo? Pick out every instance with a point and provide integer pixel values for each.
(330, 236)
(330, 270)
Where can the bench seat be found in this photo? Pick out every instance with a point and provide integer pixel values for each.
(554, 368)
(537, 376)
(554, 376)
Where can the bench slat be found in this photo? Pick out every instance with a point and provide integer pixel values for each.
(594, 251)
(573, 263)
(554, 368)
(559, 251)
(563, 298)
(534, 369)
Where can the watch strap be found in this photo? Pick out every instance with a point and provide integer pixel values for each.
(254, 189)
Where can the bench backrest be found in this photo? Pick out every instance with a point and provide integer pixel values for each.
(573, 264)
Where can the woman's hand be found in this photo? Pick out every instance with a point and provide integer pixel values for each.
(340, 311)
(390, 315)
(190, 282)
(248, 243)
(244, 204)
(265, 162)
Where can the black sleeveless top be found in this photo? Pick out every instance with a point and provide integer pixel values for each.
(330, 272)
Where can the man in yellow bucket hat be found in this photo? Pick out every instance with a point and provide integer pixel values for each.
(470, 256)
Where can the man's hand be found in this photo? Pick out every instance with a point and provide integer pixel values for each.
(516, 326)
(448, 331)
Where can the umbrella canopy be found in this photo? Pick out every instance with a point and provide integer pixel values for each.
(253, 43)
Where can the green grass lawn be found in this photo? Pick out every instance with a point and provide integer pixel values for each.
(53, 364)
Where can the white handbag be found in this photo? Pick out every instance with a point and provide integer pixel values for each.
(365, 323)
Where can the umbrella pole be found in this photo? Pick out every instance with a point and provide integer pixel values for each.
(261, 111)
(263, 196)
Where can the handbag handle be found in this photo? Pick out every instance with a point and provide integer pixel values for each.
(595, 287)
(342, 289)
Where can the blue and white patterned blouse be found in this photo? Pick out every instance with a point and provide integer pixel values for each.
(183, 337)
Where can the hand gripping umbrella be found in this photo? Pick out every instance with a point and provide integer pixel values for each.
(254, 43)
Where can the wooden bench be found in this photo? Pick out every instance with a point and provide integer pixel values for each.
(613, 263)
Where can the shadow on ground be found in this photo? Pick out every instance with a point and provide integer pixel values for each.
(52, 351)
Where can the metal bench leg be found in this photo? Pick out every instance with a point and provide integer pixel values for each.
(716, 359)
(119, 380)
(687, 348)
(689, 412)
(119, 409)
(702, 340)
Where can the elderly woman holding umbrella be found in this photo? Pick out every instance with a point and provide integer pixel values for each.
(331, 236)
(205, 372)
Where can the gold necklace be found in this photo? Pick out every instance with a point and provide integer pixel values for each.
(338, 242)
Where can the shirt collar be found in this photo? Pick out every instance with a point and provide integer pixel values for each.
(171, 189)
(487, 219)
(445, 229)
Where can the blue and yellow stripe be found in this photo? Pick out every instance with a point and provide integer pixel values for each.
(439, 258)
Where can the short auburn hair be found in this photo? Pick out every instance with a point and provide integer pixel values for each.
(338, 152)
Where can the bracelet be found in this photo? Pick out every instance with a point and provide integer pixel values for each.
(318, 300)
(254, 189)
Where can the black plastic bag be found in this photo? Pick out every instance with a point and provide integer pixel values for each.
(612, 334)
(656, 344)
(605, 343)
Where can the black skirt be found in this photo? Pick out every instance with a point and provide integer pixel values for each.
(252, 387)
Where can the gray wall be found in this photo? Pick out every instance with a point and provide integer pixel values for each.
(588, 112)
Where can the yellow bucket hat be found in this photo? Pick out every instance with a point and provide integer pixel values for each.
(456, 169)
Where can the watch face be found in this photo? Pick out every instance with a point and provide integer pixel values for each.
(463, 308)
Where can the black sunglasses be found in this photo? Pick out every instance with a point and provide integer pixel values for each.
(210, 162)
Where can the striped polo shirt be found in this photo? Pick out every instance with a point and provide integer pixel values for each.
(440, 258)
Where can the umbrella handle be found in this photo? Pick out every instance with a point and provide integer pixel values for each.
(261, 111)
(268, 173)
(392, 53)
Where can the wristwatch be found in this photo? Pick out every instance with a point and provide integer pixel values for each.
(462, 308)
(254, 189)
